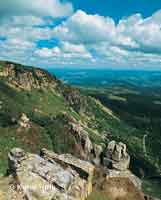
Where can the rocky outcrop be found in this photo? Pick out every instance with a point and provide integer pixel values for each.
(82, 138)
(24, 121)
(49, 176)
(83, 148)
(26, 78)
(97, 153)
(73, 97)
(117, 162)
(74, 135)
(116, 156)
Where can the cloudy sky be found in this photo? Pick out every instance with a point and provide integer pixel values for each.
(81, 33)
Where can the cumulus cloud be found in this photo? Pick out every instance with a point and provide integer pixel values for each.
(146, 33)
(133, 32)
(122, 42)
(85, 28)
(54, 8)
(66, 52)
(81, 38)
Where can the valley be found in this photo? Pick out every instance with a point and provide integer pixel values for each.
(134, 97)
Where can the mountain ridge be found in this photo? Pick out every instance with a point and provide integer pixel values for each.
(60, 118)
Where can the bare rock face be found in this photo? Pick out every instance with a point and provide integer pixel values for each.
(73, 97)
(117, 156)
(24, 121)
(89, 150)
(82, 138)
(49, 176)
(97, 149)
(26, 78)
(83, 168)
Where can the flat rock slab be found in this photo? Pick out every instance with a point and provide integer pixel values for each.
(38, 178)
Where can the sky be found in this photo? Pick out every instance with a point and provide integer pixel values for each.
(81, 33)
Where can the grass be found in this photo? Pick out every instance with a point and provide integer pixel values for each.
(137, 116)
(31, 140)
(117, 98)
(152, 187)
(39, 106)
(43, 105)
(97, 195)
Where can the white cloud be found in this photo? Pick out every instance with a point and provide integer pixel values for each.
(82, 39)
(133, 32)
(85, 28)
(73, 48)
(30, 33)
(44, 52)
(28, 20)
(66, 52)
(146, 33)
(18, 44)
(41, 8)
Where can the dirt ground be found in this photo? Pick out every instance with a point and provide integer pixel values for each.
(122, 189)
(114, 189)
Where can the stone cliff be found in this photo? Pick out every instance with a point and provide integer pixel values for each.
(26, 78)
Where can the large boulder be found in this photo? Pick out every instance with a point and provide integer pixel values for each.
(49, 176)
(116, 156)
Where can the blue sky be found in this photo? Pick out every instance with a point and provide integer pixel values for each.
(81, 33)
(118, 9)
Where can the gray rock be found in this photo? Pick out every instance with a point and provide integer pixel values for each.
(80, 166)
(117, 153)
(97, 152)
(111, 146)
(15, 157)
(58, 177)
(24, 121)
(116, 156)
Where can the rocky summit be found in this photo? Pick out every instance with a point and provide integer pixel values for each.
(47, 176)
